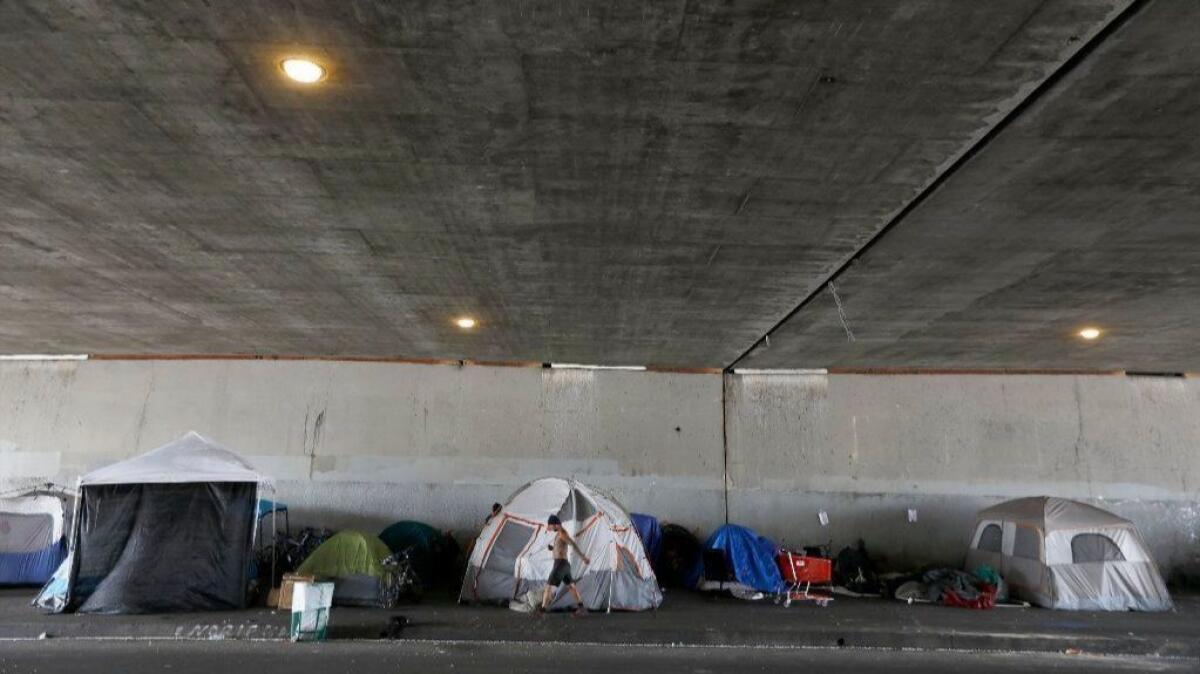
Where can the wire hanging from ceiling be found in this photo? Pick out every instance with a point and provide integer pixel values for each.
(841, 312)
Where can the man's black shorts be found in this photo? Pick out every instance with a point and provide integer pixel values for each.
(561, 573)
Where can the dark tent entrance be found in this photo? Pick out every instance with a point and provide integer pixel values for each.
(147, 548)
(679, 562)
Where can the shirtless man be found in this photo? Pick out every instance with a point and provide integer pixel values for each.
(561, 573)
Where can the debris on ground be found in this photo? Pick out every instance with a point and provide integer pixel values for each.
(949, 587)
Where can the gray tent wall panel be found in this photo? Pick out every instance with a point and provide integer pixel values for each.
(145, 548)
(595, 587)
(1110, 586)
(503, 587)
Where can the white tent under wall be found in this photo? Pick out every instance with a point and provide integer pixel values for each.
(1064, 554)
(512, 557)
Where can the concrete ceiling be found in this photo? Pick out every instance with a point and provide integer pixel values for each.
(1085, 211)
(627, 183)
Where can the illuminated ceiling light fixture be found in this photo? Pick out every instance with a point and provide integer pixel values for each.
(466, 322)
(1089, 333)
(303, 70)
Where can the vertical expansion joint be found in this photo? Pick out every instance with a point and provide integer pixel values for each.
(725, 443)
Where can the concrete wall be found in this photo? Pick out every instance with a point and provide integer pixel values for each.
(364, 444)
(867, 448)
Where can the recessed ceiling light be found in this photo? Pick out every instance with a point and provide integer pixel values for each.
(303, 71)
(466, 322)
(1089, 333)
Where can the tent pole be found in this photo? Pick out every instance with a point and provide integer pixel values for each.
(574, 518)
(73, 546)
(608, 609)
(274, 545)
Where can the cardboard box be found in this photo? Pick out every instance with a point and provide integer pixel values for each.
(287, 587)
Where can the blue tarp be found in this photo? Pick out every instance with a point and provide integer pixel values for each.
(265, 507)
(751, 557)
(651, 535)
(32, 544)
(31, 568)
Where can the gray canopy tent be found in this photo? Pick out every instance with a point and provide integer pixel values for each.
(170, 530)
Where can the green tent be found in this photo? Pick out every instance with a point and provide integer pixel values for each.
(426, 546)
(409, 534)
(347, 553)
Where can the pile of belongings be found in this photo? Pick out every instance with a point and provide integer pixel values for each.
(854, 570)
(952, 587)
(300, 547)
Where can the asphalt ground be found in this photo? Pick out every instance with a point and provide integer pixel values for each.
(685, 619)
(365, 657)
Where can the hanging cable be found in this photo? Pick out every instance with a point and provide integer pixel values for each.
(841, 312)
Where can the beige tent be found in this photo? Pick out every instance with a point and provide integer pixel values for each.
(1068, 555)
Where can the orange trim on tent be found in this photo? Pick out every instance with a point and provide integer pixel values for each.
(591, 520)
(522, 520)
(632, 562)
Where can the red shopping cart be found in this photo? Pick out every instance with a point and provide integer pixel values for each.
(800, 573)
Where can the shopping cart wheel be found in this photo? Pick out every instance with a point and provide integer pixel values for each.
(787, 603)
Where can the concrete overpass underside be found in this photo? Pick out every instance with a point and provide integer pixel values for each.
(630, 183)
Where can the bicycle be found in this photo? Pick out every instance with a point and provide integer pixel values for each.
(400, 579)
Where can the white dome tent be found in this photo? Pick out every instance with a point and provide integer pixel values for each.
(1064, 554)
(512, 556)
